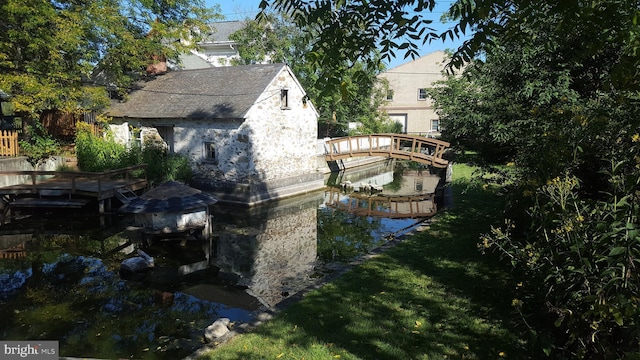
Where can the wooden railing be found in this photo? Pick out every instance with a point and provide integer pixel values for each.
(8, 143)
(400, 146)
(39, 177)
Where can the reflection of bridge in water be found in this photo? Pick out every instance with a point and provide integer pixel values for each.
(392, 207)
(421, 149)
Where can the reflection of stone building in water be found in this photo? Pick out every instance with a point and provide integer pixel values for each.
(274, 254)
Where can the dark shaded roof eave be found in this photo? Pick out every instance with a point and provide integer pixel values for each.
(151, 118)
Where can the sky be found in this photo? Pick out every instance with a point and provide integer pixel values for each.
(243, 9)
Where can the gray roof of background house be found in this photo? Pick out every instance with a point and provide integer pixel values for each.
(222, 30)
(191, 61)
(217, 93)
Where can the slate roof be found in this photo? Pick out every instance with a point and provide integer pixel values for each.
(221, 30)
(215, 93)
(170, 196)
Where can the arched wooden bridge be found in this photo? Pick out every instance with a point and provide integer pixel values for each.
(399, 146)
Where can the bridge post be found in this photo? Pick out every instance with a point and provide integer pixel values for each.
(413, 148)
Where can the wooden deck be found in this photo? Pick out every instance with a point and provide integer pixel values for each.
(70, 189)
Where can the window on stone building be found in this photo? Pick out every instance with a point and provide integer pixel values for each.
(389, 95)
(284, 99)
(210, 151)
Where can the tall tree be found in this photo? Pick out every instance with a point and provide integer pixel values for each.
(51, 50)
(342, 32)
(561, 93)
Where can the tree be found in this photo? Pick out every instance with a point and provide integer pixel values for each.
(52, 50)
(556, 83)
(565, 103)
(343, 31)
(275, 38)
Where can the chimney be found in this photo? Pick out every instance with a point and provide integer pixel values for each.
(158, 66)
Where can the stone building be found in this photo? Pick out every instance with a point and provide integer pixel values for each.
(248, 131)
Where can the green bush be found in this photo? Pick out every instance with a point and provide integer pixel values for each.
(162, 166)
(40, 146)
(579, 263)
(97, 154)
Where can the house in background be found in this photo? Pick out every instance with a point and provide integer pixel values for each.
(216, 49)
(407, 101)
(249, 131)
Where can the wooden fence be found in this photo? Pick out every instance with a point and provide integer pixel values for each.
(8, 143)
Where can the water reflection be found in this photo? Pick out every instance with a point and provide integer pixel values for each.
(62, 283)
(66, 286)
(390, 192)
(393, 207)
(271, 249)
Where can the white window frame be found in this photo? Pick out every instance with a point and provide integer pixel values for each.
(422, 94)
(209, 152)
(435, 122)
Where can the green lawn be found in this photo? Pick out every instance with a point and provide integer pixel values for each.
(433, 296)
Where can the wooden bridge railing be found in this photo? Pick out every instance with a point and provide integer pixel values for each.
(37, 177)
(400, 146)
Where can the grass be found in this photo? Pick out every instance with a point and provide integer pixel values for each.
(433, 296)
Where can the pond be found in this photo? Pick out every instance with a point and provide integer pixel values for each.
(60, 280)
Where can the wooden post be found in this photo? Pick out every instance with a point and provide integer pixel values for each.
(104, 205)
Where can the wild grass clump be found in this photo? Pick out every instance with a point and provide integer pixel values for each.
(102, 153)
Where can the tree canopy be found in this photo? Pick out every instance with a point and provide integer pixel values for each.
(64, 54)
(276, 38)
(343, 31)
(554, 87)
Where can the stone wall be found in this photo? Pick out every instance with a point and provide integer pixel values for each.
(284, 141)
(20, 163)
(271, 143)
(233, 149)
(120, 132)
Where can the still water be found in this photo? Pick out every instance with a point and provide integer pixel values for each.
(59, 271)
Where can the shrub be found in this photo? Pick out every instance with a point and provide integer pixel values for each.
(579, 264)
(162, 166)
(96, 153)
(40, 146)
